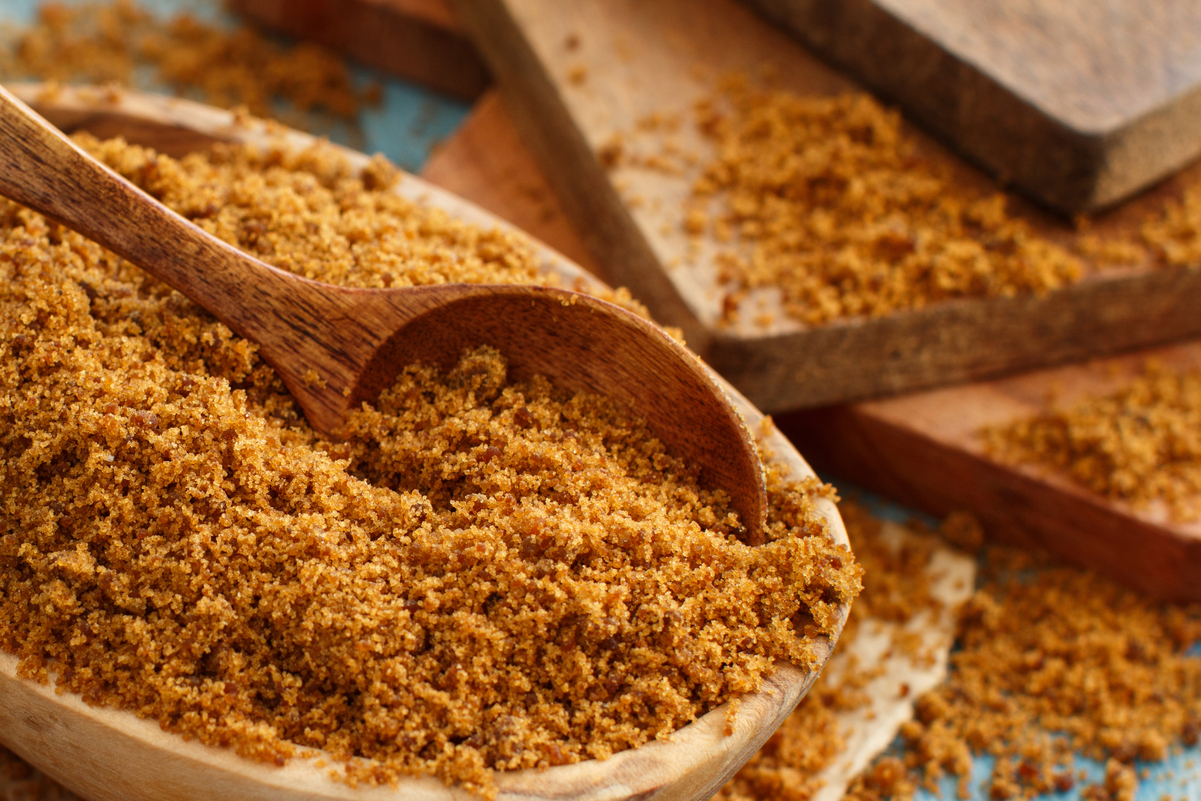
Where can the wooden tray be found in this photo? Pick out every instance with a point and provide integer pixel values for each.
(31, 719)
(574, 77)
(1079, 104)
(925, 451)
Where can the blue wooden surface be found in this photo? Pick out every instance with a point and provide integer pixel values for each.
(1177, 777)
(406, 126)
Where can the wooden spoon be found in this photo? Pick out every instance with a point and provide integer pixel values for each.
(336, 347)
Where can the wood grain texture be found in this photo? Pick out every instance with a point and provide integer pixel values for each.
(487, 162)
(415, 39)
(925, 450)
(107, 755)
(1079, 104)
(573, 78)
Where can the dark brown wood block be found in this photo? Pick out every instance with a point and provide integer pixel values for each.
(1078, 104)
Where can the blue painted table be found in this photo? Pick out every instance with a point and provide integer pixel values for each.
(405, 127)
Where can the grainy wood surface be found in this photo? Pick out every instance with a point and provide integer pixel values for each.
(925, 450)
(574, 77)
(415, 39)
(1079, 104)
(106, 755)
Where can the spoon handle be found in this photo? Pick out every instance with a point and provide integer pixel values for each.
(44, 170)
(301, 326)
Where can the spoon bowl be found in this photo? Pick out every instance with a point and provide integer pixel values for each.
(106, 754)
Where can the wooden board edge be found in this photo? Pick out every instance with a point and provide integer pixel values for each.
(427, 48)
(850, 443)
(1154, 146)
(572, 169)
(947, 343)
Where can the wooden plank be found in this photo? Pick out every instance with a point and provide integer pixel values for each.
(925, 450)
(487, 162)
(415, 39)
(1080, 104)
(574, 77)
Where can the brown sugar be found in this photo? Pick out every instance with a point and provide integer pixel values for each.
(1050, 662)
(20, 782)
(1140, 443)
(485, 574)
(828, 200)
(1053, 662)
(108, 43)
(843, 216)
(840, 213)
(896, 589)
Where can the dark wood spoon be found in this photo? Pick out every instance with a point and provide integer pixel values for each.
(336, 347)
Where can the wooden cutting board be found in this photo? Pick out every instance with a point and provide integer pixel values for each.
(576, 76)
(416, 39)
(922, 450)
(1078, 103)
(926, 451)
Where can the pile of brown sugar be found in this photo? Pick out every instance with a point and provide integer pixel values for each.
(1140, 443)
(108, 43)
(843, 216)
(486, 574)
(828, 200)
(895, 588)
(1056, 661)
(1050, 662)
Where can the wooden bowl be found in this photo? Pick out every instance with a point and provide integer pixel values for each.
(105, 754)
